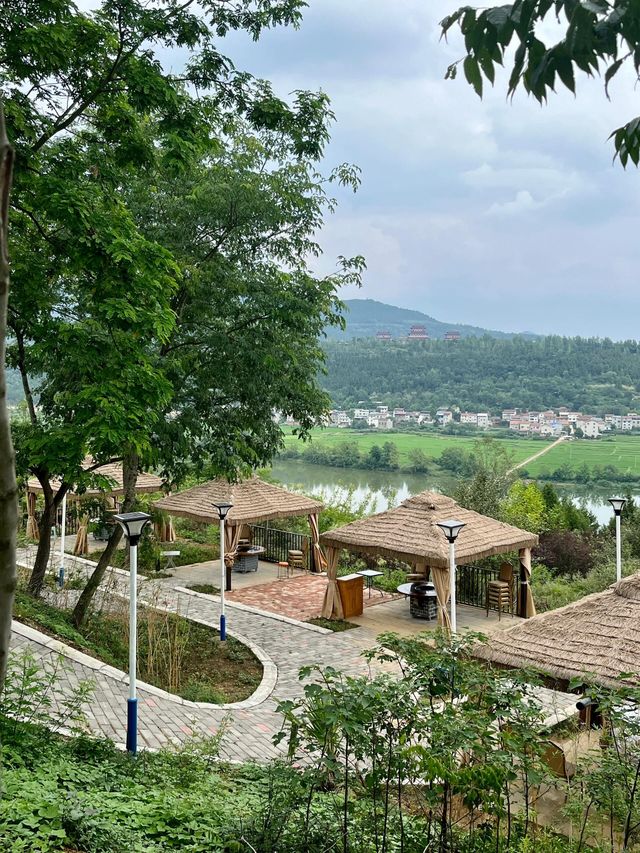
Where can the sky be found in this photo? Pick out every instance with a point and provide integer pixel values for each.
(496, 213)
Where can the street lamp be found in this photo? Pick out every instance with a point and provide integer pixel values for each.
(618, 506)
(223, 512)
(451, 528)
(133, 524)
(63, 531)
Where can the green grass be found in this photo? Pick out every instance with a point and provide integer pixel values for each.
(621, 452)
(431, 444)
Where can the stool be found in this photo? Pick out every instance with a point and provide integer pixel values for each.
(296, 560)
(283, 571)
(170, 561)
(499, 595)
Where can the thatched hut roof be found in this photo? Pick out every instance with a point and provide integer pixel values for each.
(409, 533)
(597, 636)
(253, 501)
(147, 483)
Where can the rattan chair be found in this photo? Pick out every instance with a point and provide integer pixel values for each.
(500, 591)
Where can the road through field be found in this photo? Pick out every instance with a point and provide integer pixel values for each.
(538, 454)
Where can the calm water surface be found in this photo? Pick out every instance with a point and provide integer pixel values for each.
(389, 488)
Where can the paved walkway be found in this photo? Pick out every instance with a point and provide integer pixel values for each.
(164, 721)
(282, 644)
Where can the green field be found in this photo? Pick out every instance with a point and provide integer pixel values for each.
(621, 452)
(431, 445)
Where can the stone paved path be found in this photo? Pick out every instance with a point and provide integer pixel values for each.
(249, 726)
(249, 730)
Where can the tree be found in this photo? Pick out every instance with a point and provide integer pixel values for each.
(601, 36)
(8, 490)
(90, 107)
(390, 457)
(492, 477)
(525, 507)
(418, 461)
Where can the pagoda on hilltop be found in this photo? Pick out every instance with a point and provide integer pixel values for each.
(418, 333)
(383, 335)
(452, 335)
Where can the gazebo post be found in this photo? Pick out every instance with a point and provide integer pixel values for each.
(526, 607)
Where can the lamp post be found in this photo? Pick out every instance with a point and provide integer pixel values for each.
(618, 506)
(223, 512)
(133, 524)
(451, 528)
(63, 531)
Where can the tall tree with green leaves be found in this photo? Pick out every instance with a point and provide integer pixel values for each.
(241, 225)
(600, 37)
(90, 107)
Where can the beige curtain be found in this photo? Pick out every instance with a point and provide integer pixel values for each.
(81, 548)
(231, 539)
(440, 578)
(319, 562)
(164, 529)
(32, 523)
(525, 569)
(332, 607)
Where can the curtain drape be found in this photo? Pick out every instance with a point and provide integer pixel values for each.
(164, 529)
(231, 539)
(319, 562)
(81, 548)
(32, 523)
(440, 578)
(525, 585)
(332, 607)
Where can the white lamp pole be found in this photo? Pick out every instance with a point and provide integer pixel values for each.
(451, 529)
(618, 506)
(133, 524)
(63, 531)
(223, 511)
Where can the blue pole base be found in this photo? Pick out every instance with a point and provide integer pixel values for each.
(61, 577)
(132, 726)
(223, 627)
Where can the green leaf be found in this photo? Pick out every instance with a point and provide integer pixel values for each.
(472, 74)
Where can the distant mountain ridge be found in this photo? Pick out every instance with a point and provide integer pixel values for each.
(366, 317)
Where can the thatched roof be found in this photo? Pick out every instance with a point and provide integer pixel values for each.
(253, 500)
(409, 533)
(597, 636)
(147, 483)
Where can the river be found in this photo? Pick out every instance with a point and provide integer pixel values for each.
(389, 488)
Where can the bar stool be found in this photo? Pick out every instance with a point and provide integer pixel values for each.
(500, 591)
(283, 571)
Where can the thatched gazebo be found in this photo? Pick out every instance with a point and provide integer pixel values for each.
(112, 472)
(597, 637)
(409, 533)
(253, 501)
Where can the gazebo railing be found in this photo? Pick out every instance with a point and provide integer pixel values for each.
(278, 543)
(471, 585)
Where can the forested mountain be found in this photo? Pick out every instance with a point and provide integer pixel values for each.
(485, 374)
(366, 317)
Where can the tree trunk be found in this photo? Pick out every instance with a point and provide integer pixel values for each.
(8, 488)
(130, 466)
(38, 572)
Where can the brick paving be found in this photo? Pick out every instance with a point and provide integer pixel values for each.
(284, 645)
(164, 721)
(297, 597)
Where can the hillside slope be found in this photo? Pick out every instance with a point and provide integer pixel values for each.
(485, 374)
(366, 317)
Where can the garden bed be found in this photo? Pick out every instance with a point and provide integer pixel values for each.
(174, 653)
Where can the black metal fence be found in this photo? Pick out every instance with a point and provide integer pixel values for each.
(278, 543)
(472, 582)
(72, 520)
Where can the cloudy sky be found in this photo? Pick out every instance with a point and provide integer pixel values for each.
(504, 215)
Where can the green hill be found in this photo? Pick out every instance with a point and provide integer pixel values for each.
(366, 317)
(485, 374)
